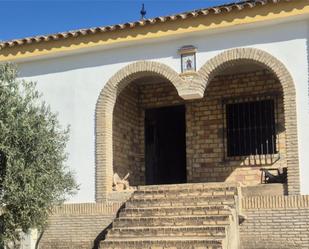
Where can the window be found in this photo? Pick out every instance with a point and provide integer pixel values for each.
(250, 127)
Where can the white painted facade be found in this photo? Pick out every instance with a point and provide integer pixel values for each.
(72, 83)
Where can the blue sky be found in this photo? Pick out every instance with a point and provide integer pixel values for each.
(24, 18)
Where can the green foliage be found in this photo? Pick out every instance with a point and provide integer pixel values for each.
(36, 178)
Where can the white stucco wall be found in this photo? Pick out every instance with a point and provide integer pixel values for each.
(71, 84)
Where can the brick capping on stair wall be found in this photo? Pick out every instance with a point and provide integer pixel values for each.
(275, 222)
(77, 225)
(190, 87)
(273, 202)
(87, 208)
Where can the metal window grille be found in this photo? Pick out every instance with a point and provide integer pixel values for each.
(250, 126)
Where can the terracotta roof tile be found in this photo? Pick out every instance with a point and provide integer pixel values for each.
(151, 21)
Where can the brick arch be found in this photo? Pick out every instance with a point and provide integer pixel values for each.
(233, 57)
(104, 116)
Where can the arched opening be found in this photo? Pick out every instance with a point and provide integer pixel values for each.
(282, 83)
(149, 132)
(238, 127)
(132, 75)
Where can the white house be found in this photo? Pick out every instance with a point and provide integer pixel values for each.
(213, 95)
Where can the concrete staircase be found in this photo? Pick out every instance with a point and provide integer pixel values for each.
(199, 216)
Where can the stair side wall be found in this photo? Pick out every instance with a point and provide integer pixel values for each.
(273, 222)
(77, 225)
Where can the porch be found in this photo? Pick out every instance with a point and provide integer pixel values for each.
(236, 129)
(226, 123)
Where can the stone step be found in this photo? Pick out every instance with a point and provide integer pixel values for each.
(175, 211)
(163, 243)
(179, 216)
(182, 202)
(188, 186)
(184, 193)
(218, 232)
(206, 220)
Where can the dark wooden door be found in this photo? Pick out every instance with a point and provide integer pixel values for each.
(165, 145)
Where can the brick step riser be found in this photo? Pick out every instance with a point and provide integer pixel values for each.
(187, 186)
(175, 197)
(161, 245)
(183, 195)
(189, 208)
(151, 213)
(162, 191)
(193, 190)
(170, 222)
(179, 203)
(203, 233)
(199, 246)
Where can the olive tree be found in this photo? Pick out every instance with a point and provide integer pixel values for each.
(33, 174)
